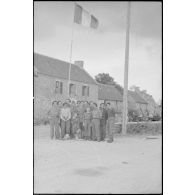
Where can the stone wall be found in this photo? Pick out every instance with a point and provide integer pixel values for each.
(44, 93)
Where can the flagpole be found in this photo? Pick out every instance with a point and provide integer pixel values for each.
(70, 57)
(124, 125)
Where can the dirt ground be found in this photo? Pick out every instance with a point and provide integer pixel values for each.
(130, 164)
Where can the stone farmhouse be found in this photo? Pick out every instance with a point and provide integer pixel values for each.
(108, 93)
(135, 101)
(51, 83)
(152, 107)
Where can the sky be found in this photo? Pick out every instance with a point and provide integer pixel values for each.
(103, 49)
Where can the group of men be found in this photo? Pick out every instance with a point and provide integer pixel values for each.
(81, 120)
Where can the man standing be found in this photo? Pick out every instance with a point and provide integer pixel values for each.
(65, 120)
(59, 104)
(81, 118)
(53, 115)
(110, 122)
(91, 105)
(87, 123)
(103, 121)
(74, 118)
(96, 115)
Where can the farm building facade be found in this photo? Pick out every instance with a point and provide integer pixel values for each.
(108, 93)
(51, 83)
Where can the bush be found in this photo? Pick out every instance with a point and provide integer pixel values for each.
(141, 128)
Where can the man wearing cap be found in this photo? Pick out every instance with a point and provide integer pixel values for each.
(103, 121)
(110, 123)
(53, 116)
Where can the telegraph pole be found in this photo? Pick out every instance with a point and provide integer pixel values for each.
(125, 104)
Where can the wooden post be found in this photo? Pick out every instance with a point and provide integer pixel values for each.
(124, 127)
(70, 59)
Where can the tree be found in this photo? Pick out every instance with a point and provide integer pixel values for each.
(105, 78)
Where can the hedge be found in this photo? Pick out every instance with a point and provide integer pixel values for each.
(141, 127)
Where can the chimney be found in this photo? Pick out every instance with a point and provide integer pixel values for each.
(137, 89)
(79, 63)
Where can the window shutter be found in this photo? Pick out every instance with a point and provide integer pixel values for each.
(57, 87)
(57, 84)
(87, 91)
(61, 87)
(74, 89)
(83, 90)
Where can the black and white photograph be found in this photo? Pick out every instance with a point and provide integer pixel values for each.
(97, 97)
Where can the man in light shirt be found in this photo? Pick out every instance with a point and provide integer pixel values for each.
(65, 116)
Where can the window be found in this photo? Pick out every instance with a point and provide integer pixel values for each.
(59, 87)
(72, 89)
(85, 91)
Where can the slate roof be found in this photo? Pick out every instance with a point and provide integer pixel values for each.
(137, 98)
(109, 92)
(60, 69)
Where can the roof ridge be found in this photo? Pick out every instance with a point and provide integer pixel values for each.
(54, 58)
(83, 76)
(106, 84)
(139, 96)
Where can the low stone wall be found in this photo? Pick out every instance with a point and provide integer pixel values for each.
(150, 127)
(141, 127)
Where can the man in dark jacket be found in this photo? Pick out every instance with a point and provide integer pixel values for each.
(110, 123)
(53, 115)
(103, 121)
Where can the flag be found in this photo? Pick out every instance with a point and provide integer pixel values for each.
(83, 17)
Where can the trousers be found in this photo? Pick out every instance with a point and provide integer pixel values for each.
(110, 128)
(65, 128)
(87, 125)
(103, 129)
(96, 129)
(54, 128)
